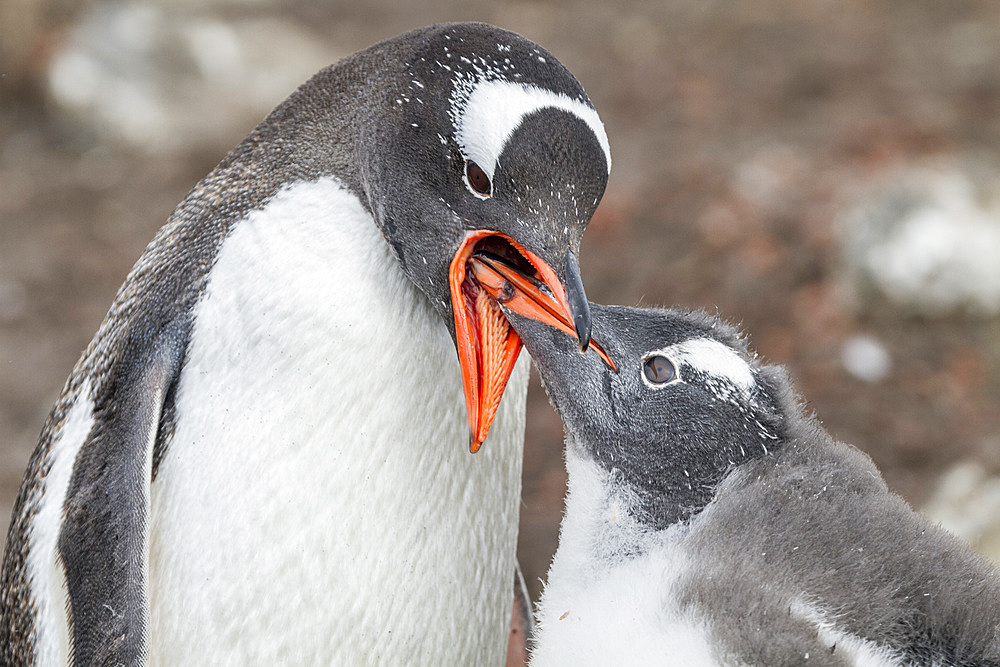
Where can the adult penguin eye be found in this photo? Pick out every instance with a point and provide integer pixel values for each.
(477, 178)
(659, 370)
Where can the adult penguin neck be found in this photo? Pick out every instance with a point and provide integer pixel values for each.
(321, 438)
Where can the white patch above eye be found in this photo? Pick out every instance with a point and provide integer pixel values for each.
(711, 358)
(486, 113)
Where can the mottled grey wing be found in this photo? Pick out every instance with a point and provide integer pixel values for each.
(104, 540)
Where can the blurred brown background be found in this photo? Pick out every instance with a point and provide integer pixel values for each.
(824, 173)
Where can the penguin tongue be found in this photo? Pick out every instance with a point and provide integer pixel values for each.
(498, 349)
(490, 267)
(487, 346)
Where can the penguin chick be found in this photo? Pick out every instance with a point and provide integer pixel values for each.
(710, 521)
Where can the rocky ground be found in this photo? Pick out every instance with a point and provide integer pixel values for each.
(823, 173)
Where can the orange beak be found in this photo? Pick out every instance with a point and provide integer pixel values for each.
(487, 346)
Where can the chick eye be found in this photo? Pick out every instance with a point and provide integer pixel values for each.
(659, 370)
(477, 178)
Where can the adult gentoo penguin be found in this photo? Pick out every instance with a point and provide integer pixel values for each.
(263, 456)
(709, 521)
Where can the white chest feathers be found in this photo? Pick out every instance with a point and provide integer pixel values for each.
(613, 591)
(318, 503)
(601, 607)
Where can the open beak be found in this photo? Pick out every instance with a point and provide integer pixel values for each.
(488, 268)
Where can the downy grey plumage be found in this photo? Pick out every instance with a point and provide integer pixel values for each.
(711, 521)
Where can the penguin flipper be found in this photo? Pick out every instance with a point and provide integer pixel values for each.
(104, 539)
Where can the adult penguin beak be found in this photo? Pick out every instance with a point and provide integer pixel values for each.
(578, 304)
(528, 297)
(490, 267)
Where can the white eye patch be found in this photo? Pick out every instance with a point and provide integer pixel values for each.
(712, 359)
(486, 113)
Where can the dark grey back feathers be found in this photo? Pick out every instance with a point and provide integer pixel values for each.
(815, 522)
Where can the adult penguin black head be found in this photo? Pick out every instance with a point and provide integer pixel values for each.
(483, 144)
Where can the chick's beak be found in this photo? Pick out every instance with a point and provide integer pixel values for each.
(490, 267)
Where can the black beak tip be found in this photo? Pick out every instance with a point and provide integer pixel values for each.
(578, 304)
(582, 324)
